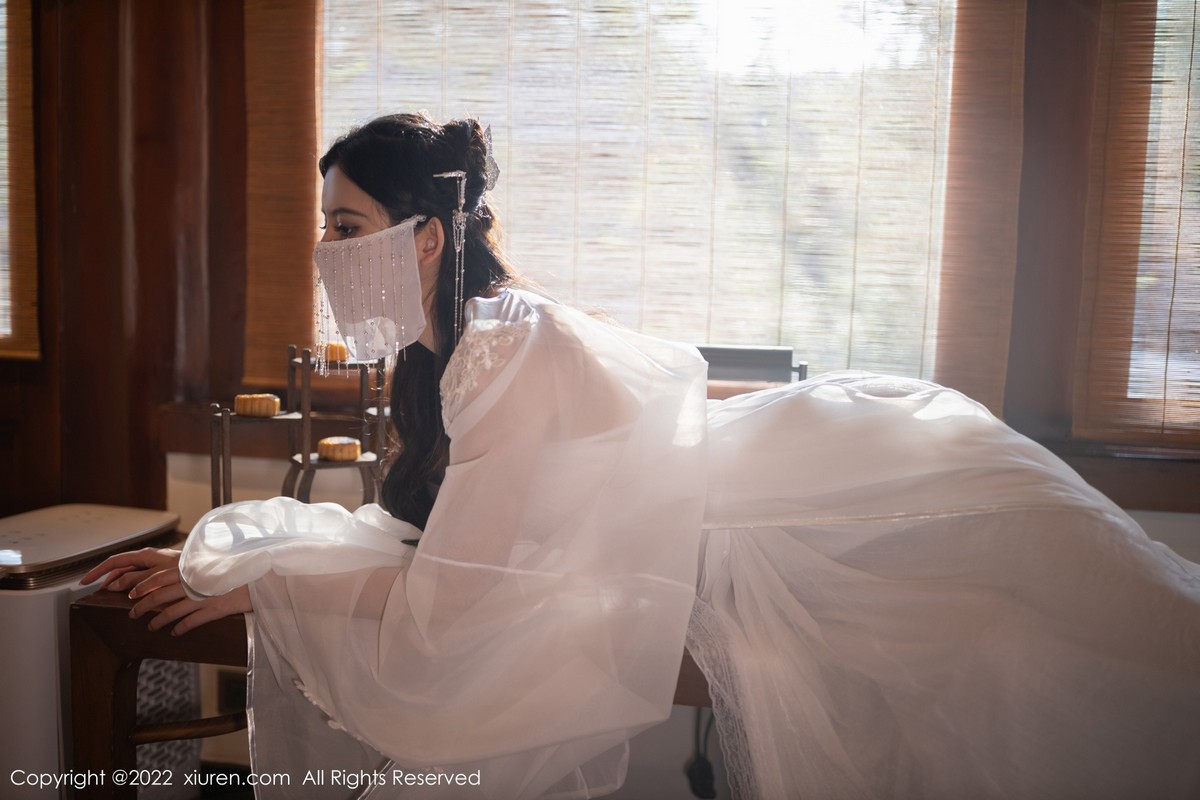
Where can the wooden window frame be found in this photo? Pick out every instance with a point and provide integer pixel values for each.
(1063, 63)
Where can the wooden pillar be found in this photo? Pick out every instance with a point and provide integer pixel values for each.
(1062, 41)
(124, 149)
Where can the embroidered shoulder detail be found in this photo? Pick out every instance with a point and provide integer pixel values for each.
(475, 356)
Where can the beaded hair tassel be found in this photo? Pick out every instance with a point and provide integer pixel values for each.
(460, 238)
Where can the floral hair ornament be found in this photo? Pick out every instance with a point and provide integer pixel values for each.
(369, 294)
(491, 170)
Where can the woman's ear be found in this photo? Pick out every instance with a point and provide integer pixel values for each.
(430, 239)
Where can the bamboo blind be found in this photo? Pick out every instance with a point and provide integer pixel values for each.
(982, 194)
(839, 177)
(18, 202)
(1138, 372)
(282, 38)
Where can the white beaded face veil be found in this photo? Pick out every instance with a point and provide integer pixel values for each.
(369, 294)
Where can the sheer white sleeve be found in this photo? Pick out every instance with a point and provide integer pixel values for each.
(541, 620)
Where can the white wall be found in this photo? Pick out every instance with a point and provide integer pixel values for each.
(189, 490)
(1180, 532)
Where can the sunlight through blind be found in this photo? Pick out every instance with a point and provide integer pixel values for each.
(18, 196)
(1139, 376)
(6, 326)
(758, 172)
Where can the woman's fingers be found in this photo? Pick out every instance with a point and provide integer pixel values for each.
(122, 562)
(235, 602)
(206, 612)
(134, 559)
(172, 610)
(146, 558)
(175, 606)
(157, 600)
(132, 578)
(154, 582)
(113, 581)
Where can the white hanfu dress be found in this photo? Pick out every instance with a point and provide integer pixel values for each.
(890, 592)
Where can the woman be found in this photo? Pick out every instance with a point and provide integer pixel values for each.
(896, 595)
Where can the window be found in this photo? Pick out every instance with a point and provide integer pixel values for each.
(597, 140)
(6, 323)
(762, 172)
(1165, 356)
(1140, 372)
(18, 206)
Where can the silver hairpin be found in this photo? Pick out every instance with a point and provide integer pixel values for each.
(460, 237)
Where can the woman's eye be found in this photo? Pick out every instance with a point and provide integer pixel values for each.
(344, 230)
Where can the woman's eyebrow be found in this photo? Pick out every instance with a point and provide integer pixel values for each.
(344, 210)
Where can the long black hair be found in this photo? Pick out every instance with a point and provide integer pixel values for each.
(394, 160)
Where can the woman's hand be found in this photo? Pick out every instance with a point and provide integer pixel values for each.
(153, 576)
(126, 570)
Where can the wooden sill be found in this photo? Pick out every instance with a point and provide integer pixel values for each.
(186, 429)
(723, 390)
(1136, 477)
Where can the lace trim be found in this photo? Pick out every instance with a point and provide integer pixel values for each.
(474, 357)
(708, 644)
(329, 718)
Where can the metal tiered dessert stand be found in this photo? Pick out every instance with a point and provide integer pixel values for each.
(297, 414)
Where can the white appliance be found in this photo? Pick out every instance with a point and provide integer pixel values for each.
(43, 554)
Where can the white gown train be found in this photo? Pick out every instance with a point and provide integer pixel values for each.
(891, 593)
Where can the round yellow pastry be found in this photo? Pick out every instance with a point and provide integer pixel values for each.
(336, 352)
(256, 405)
(339, 448)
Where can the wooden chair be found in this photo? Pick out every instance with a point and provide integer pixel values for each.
(107, 649)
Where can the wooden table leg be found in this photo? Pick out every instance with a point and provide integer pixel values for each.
(103, 700)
